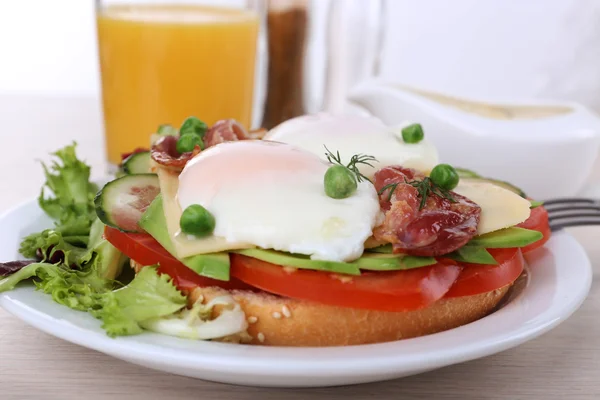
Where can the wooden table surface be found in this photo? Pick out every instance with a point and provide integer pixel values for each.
(562, 364)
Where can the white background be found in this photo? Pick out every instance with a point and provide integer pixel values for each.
(48, 47)
(492, 48)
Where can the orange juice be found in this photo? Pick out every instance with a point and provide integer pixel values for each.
(163, 63)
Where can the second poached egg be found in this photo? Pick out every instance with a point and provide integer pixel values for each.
(352, 134)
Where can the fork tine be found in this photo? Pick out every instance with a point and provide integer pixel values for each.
(567, 207)
(555, 226)
(572, 214)
(572, 211)
(569, 201)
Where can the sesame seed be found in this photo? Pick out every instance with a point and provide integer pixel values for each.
(276, 315)
(252, 319)
(261, 337)
(286, 312)
(290, 270)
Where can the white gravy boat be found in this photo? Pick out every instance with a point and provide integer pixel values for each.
(546, 147)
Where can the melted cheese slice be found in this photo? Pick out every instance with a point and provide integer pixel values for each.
(500, 208)
(182, 245)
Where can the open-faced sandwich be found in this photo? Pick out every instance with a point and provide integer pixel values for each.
(327, 231)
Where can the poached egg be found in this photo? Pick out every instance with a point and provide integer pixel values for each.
(352, 134)
(271, 195)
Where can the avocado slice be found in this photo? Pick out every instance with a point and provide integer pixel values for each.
(392, 262)
(472, 255)
(507, 238)
(213, 265)
(216, 265)
(368, 261)
(300, 261)
(111, 260)
(385, 249)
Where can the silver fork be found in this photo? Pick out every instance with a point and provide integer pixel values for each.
(567, 212)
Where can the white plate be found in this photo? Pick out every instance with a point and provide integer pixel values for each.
(560, 277)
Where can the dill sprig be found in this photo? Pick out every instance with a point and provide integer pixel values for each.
(392, 187)
(352, 166)
(424, 187)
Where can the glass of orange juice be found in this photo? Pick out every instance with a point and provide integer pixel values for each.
(163, 61)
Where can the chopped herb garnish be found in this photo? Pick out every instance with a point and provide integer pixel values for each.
(352, 166)
(425, 188)
(392, 187)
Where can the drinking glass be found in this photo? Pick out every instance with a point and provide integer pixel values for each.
(162, 61)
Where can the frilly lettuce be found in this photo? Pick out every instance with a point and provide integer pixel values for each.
(152, 302)
(50, 245)
(68, 179)
(195, 323)
(71, 203)
(148, 296)
(76, 289)
(78, 267)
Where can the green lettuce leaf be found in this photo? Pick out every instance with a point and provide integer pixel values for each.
(68, 179)
(77, 289)
(148, 296)
(49, 243)
(77, 265)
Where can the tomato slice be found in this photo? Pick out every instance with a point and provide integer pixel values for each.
(386, 291)
(479, 278)
(538, 221)
(145, 250)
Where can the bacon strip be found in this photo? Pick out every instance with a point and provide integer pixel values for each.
(164, 152)
(226, 130)
(439, 228)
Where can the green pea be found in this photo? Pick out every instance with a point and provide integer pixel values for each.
(193, 125)
(197, 220)
(166, 130)
(339, 182)
(187, 142)
(445, 176)
(413, 133)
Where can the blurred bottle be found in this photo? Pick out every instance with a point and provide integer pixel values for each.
(287, 27)
(317, 50)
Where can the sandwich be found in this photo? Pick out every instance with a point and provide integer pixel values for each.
(325, 231)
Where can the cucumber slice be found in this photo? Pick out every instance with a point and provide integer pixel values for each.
(163, 130)
(167, 130)
(508, 186)
(137, 163)
(466, 173)
(122, 202)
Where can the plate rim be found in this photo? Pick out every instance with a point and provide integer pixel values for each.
(245, 361)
